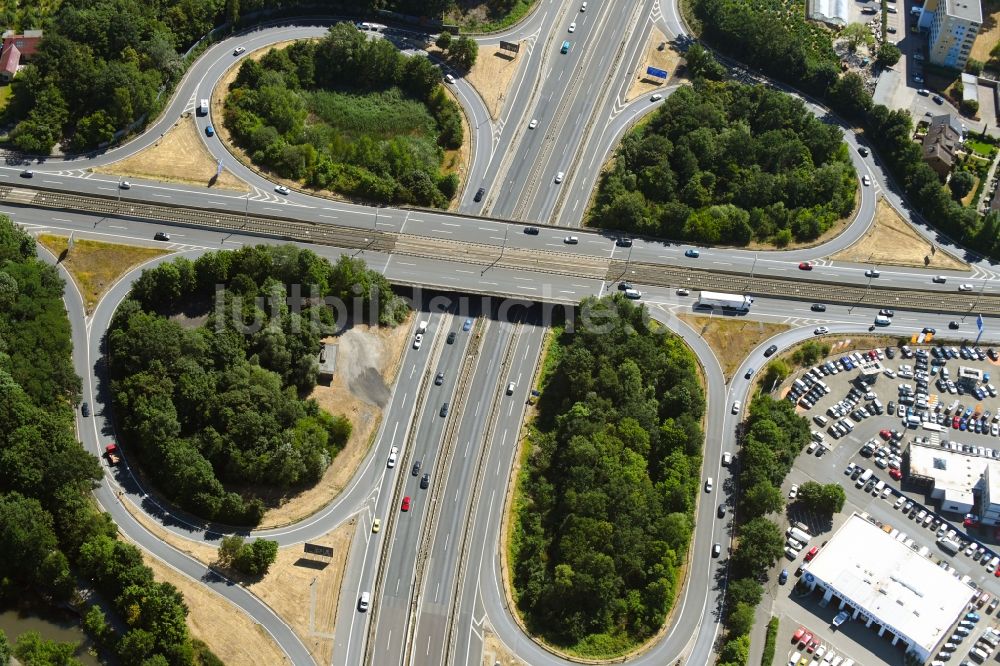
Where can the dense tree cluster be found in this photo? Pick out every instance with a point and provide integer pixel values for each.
(253, 558)
(823, 499)
(605, 514)
(792, 50)
(220, 403)
(461, 52)
(773, 436)
(728, 163)
(50, 532)
(351, 115)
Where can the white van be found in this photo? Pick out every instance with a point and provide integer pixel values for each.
(203, 107)
(364, 601)
(978, 655)
(882, 321)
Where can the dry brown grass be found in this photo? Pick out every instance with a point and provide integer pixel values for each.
(230, 633)
(492, 74)
(731, 339)
(989, 33)
(365, 418)
(891, 241)
(669, 59)
(495, 652)
(94, 265)
(179, 156)
(306, 597)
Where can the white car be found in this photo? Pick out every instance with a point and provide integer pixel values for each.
(965, 287)
(560, 176)
(418, 340)
(281, 189)
(736, 407)
(793, 492)
(533, 124)
(393, 454)
(571, 240)
(239, 50)
(866, 180)
(449, 78)
(656, 98)
(821, 330)
(727, 459)
(125, 185)
(572, 26)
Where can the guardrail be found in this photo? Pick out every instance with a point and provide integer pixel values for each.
(477, 484)
(392, 514)
(450, 437)
(482, 254)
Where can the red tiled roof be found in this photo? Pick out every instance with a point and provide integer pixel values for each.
(10, 59)
(26, 45)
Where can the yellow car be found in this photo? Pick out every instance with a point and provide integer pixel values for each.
(376, 525)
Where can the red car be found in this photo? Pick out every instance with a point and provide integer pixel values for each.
(806, 638)
(813, 644)
(885, 434)
(805, 266)
(797, 636)
(406, 503)
(896, 474)
(955, 421)
(812, 553)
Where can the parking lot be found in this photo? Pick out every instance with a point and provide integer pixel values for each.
(924, 403)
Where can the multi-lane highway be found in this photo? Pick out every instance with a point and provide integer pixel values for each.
(435, 571)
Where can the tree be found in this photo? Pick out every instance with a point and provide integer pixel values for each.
(857, 34)
(761, 499)
(740, 619)
(5, 650)
(974, 66)
(969, 107)
(777, 371)
(702, 64)
(230, 549)
(443, 40)
(257, 557)
(462, 53)
(760, 545)
(823, 499)
(961, 183)
(888, 55)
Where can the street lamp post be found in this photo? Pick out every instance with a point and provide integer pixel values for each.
(119, 188)
(246, 211)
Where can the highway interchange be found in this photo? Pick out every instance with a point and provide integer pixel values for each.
(438, 567)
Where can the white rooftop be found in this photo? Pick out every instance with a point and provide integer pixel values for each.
(952, 471)
(970, 10)
(829, 11)
(894, 584)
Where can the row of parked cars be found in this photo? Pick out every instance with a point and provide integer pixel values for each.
(816, 651)
(980, 650)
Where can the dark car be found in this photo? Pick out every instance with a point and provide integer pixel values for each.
(623, 285)
(85, 409)
(938, 99)
(992, 353)
(748, 374)
(479, 194)
(623, 241)
(863, 151)
(928, 329)
(818, 307)
(783, 577)
(722, 511)
(425, 481)
(770, 350)
(416, 468)
(27, 173)
(209, 131)
(886, 312)
(694, 254)
(953, 325)
(451, 338)
(890, 352)
(531, 231)
(161, 236)
(444, 409)
(439, 379)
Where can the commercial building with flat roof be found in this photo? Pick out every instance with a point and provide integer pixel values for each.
(884, 582)
(952, 476)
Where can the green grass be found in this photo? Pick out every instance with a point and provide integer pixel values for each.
(5, 93)
(380, 115)
(769, 643)
(980, 148)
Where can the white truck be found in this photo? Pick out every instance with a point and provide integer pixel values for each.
(203, 107)
(712, 299)
(797, 534)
